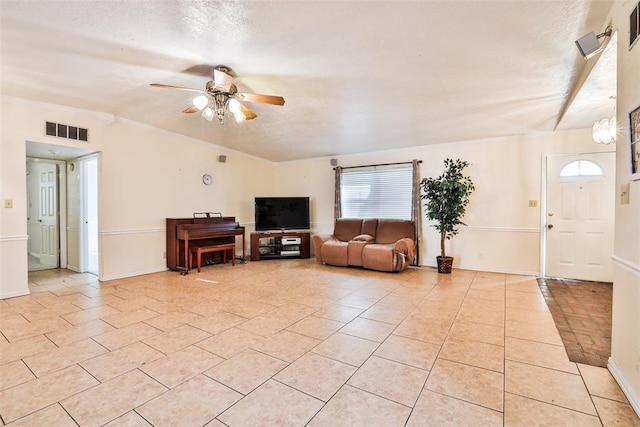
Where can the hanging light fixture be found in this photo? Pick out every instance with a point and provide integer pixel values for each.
(236, 109)
(200, 101)
(221, 95)
(604, 130)
(208, 113)
(217, 104)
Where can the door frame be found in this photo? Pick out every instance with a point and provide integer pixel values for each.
(544, 205)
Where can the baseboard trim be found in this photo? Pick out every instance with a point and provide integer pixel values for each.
(15, 294)
(130, 274)
(634, 399)
(516, 272)
(73, 268)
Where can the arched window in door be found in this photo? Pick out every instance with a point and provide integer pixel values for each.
(581, 168)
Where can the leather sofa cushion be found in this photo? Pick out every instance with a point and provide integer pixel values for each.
(354, 252)
(334, 252)
(369, 226)
(364, 238)
(379, 257)
(346, 229)
(392, 230)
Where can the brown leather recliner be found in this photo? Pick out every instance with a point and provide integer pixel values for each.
(377, 244)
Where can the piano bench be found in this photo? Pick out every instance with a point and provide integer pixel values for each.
(199, 250)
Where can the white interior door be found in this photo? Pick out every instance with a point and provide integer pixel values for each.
(580, 216)
(89, 213)
(48, 214)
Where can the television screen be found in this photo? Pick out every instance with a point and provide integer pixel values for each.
(282, 213)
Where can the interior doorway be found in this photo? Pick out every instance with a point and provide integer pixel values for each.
(579, 216)
(70, 190)
(89, 243)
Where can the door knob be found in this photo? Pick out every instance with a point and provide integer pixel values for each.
(550, 226)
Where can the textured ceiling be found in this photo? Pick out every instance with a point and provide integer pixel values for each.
(357, 76)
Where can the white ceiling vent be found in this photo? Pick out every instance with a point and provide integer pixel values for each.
(66, 131)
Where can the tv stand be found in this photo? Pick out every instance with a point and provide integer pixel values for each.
(280, 244)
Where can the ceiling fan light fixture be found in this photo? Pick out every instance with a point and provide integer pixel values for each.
(221, 96)
(234, 106)
(221, 102)
(236, 109)
(200, 101)
(208, 113)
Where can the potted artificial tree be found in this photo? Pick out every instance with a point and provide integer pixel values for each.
(446, 198)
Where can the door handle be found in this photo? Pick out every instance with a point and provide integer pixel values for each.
(550, 226)
(39, 220)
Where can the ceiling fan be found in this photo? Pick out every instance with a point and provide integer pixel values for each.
(221, 95)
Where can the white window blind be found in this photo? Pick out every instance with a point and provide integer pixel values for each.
(376, 192)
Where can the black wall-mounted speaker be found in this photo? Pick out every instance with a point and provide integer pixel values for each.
(588, 45)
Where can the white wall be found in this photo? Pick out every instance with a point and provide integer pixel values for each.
(503, 232)
(13, 221)
(146, 175)
(625, 340)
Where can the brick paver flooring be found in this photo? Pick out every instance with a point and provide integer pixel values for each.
(582, 313)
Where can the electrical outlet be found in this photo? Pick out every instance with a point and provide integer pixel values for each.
(480, 255)
(8, 203)
(533, 203)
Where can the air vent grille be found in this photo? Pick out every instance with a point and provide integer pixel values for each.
(66, 131)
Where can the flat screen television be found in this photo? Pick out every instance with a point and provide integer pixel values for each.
(282, 213)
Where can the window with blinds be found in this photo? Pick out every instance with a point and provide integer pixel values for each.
(376, 192)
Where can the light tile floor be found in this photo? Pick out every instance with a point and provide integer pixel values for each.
(294, 343)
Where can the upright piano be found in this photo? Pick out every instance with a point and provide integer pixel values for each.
(201, 231)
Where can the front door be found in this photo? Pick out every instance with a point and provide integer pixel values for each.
(580, 216)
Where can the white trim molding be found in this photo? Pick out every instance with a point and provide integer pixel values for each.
(15, 294)
(14, 238)
(501, 229)
(105, 278)
(138, 231)
(626, 264)
(634, 400)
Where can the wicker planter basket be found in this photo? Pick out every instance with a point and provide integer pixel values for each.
(444, 264)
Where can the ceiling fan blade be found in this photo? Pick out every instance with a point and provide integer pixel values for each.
(264, 99)
(248, 114)
(188, 89)
(222, 79)
(191, 109)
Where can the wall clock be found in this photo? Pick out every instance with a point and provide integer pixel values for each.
(207, 179)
